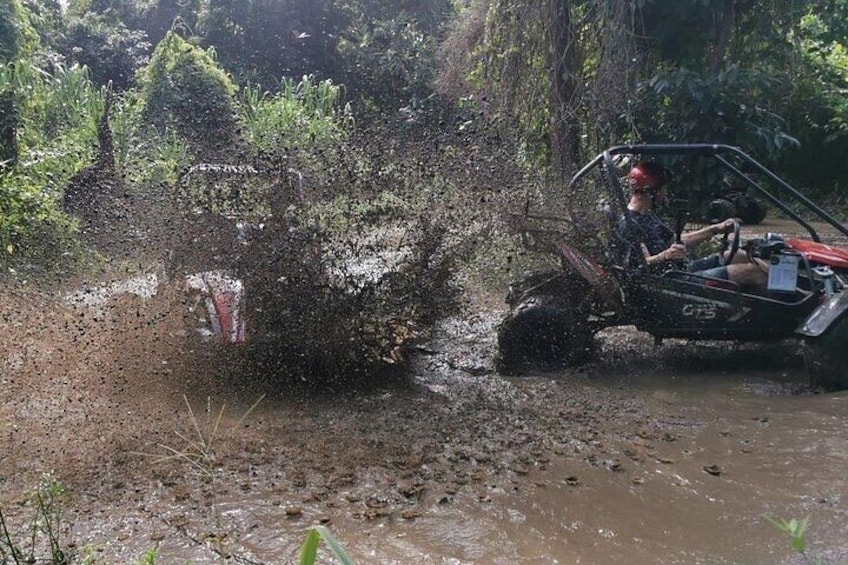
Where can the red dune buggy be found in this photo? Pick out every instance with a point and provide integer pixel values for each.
(556, 313)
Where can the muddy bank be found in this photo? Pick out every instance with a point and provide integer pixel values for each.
(648, 456)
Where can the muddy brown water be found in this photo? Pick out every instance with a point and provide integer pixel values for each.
(669, 455)
(674, 455)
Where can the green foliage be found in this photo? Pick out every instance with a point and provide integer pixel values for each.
(390, 60)
(260, 41)
(70, 103)
(57, 105)
(309, 549)
(46, 19)
(118, 10)
(43, 529)
(828, 62)
(501, 58)
(512, 72)
(734, 106)
(689, 32)
(382, 51)
(22, 207)
(795, 530)
(183, 88)
(304, 115)
(222, 24)
(57, 113)
(818, 107)
(715, 72)
(17, 36)
(148, 557)
(125, 121)
(150, 19)
(145, 155)
(157, 17)
(109, 49)
(430, 17)
(769, 76)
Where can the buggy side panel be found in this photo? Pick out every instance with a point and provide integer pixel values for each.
(690, 306)
(824, 316)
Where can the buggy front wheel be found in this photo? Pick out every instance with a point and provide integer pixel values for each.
(826, 357)
(541, 330)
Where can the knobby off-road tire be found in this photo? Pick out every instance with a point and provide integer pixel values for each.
(826, 357)
(542, 330)
(750, 210)
(720, 209)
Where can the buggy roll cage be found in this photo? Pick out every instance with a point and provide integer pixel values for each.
(723, 155)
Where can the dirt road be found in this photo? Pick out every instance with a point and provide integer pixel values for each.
(674, 455)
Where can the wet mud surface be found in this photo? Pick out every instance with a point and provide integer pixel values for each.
(672, 455)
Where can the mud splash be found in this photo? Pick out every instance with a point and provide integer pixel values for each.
(673, 455)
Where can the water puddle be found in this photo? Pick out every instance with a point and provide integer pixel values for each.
(671, 455)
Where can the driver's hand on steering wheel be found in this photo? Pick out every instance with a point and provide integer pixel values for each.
(675, 253)
(727, 226)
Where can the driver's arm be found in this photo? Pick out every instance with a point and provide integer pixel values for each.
(693, 238)
(673, 253)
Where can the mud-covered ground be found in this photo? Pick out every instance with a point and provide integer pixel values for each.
(673, 455)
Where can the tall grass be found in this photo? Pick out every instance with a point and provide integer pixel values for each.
(200, 447)
(57, 105)
(57, 110)
(300, 114)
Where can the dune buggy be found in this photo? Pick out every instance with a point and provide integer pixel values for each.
(556, 313)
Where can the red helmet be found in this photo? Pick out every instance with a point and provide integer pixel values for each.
(648, 176)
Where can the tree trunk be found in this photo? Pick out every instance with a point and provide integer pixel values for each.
(565, 84)
(106, 144)
(8, 130)
(724, 24)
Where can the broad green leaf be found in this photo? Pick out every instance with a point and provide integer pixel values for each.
(334, 545)
(309, 549)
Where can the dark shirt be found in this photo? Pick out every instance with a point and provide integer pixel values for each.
(648, 229)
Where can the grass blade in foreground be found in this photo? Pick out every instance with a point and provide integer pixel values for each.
(309, 549)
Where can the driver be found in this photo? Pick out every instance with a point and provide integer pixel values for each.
(648, 183)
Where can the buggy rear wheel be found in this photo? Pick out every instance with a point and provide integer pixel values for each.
(720, 209)
(750, 210)
(542, 330)
(826, 357)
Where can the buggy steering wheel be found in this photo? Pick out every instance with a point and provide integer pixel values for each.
(733, 245)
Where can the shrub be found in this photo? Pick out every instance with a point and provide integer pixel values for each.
(182, 87)
(111, 51)
(57, 110)
(17, 36)
(390, 61)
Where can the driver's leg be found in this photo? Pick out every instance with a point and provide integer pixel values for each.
(751, 277)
